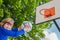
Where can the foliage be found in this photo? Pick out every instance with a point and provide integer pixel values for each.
(23, 10)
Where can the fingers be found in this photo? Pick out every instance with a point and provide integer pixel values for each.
(19, 28)
(26, 28)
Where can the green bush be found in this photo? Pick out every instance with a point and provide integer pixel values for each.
(23, 10)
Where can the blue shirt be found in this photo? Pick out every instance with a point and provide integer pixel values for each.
(4, 33)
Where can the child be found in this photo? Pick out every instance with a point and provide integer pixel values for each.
(7, 30)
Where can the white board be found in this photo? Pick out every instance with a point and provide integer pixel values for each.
(52, 7)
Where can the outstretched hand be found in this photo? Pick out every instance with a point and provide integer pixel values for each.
(25, 28)
(26, 25)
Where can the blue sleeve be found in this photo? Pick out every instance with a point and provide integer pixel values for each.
(14, 29)
(12, 33)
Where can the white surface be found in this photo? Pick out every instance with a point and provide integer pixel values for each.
(50, 36)
(54, 3)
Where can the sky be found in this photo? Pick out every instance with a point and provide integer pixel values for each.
(54, 28)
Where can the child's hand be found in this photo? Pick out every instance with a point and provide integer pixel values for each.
(19, 28)
(26, 28)
(26, 25)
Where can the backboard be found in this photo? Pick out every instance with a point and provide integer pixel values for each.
(48, 11)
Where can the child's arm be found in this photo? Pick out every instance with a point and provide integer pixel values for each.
(12, 33)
